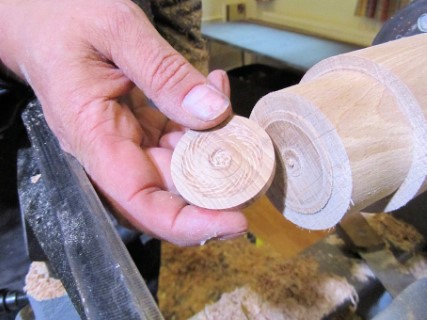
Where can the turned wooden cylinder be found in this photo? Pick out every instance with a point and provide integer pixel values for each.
(351, 133)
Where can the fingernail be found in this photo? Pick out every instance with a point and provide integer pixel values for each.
(233, 236)
(205, 102)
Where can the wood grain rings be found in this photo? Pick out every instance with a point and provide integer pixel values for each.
(225, 167)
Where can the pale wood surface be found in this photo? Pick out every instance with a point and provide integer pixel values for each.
(226, 167)
(351, 128)
(376, 136)
(400, 66)
(312, 185)
(351, 134)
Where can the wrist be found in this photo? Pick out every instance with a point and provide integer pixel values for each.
(8, 75)
(10, 33)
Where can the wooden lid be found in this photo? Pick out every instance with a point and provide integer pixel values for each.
(225, 167)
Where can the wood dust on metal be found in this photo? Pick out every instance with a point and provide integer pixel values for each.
(40, 285)
(236, 279)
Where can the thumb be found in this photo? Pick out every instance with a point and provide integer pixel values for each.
(181, 92)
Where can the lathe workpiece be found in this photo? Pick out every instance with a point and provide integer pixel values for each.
(226, 167)
(351, 133)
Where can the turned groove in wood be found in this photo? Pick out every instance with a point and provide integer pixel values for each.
(226, 167)
(363, 111)
(305, 163)
(400, 67)
(359, 120)
(308, 200)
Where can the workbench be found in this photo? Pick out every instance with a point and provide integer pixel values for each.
(296, 50)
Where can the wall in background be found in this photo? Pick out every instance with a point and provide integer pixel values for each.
(332, 19)
(214, 10)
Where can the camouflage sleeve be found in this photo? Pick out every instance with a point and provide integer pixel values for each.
(179, 22)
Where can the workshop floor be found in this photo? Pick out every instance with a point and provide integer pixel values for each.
(190, 278)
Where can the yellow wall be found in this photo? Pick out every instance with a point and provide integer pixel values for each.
(333, 19)
(215, 9)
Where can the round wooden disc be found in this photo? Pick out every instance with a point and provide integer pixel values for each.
(226, 167)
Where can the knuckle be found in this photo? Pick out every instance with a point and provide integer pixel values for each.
(120, 17)
(167, 72)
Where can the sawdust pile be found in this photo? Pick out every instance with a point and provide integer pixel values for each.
(236, 280)
(246, 303)
(40, 285)
(190, 278)
(395, 232)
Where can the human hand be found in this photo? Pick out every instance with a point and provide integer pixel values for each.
(83, 60)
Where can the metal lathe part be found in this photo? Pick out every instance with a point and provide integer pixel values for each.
(12, 301)
(75, 231)
(409, 21)
(357, 233)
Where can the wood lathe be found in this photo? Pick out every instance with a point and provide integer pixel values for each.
(350, 136)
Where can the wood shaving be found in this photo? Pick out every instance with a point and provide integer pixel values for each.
(301, 291)
(245, 303)
(36, 178)
(192, 277)
(294, 290)
(248, 282)
(397, 233)
(40, 285)
(335, 240)
(361, 272)
(242, 303)
(417, 265)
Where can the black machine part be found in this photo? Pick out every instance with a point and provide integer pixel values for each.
(75, 232)
(409, 21)
(12, 301)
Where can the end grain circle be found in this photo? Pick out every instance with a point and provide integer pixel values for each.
(226, 167)
(307, 169)
(220, 159)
